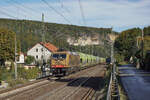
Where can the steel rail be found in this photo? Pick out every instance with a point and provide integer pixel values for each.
(75, 91)
(58, 90)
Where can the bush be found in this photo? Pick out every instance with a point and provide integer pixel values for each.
(23, 75)
(6, 74)
(28, 74)
(32, 73)
(119, 58)
(29, 59)
(13, 83)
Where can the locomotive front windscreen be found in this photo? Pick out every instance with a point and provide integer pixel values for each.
(59, 56)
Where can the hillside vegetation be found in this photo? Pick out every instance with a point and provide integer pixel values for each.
(128, 43)
(30, 32)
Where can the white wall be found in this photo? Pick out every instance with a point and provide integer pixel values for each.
(21, 58)
(39, 53)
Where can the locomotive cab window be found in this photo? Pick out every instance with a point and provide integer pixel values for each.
(55, 56)
(62, 56)
(59, 56)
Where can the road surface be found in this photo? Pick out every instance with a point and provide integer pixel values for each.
(135, 82)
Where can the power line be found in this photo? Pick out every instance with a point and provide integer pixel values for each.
(66, 9)
(20, 6)
(12, 11)
(16, 6)
(62, 6)
(82, 12)
(56, 11)
(8, 14)
(26, 7)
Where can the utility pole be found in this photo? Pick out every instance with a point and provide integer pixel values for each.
(80, 44)
(43, 51)
(43, 37)
(112, 49)
(15, 58)
(142, 45)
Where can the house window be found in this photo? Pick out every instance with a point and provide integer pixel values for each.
(42, 49)
(36, 56)
(37, 50)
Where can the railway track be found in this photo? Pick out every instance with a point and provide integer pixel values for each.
(27, 87)
(23, 85)
(76, 90)
(73, 88)
(88, 95)
(88, 89)
(52, 88)
(13, 91)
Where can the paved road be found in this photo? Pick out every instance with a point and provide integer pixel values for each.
(137, 84)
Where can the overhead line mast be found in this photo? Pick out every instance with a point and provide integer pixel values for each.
(44, 1)
(43, 67)
(15, 58)
(43, 37)
(142, 45)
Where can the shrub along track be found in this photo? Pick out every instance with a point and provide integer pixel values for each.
(52, 87)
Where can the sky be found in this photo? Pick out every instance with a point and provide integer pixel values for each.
(118, 14)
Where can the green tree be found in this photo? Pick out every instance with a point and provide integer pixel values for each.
(147, 31)
(29, 59)
(125, 44)
(7, 45)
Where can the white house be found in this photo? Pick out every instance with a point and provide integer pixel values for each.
(21, 58)
(42, 51)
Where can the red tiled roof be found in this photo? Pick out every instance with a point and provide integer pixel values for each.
(49, 46)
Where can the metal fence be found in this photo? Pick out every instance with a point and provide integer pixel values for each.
(113, 91)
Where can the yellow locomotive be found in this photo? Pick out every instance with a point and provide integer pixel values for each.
(66, 62)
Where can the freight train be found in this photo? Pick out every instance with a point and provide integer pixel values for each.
(66, 62)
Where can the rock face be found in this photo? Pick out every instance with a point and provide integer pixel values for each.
(95, 39)
(85, 40)
(112, 37)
